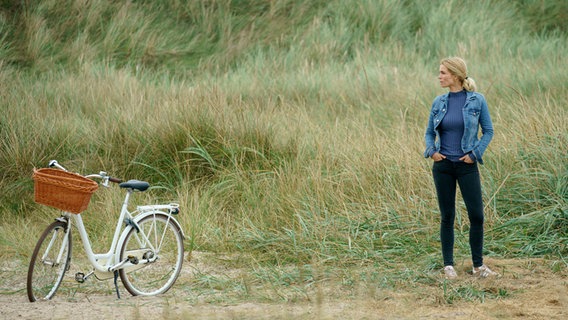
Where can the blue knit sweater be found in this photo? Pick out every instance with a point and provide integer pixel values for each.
(452, 127)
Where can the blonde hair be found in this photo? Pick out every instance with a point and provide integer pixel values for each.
(458, 68)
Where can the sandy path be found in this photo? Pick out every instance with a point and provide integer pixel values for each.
(533, 291)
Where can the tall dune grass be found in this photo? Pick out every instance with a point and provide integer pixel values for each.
(292, 131)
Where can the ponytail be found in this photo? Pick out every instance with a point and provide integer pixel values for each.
(469, 84)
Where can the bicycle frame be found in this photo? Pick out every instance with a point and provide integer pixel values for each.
(106, 263)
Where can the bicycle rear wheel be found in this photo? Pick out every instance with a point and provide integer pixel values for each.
(49, 262)
(160, 256)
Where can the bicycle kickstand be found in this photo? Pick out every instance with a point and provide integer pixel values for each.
(116, 283)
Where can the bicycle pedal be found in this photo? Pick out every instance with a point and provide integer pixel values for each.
(80, 277)
(133, 259)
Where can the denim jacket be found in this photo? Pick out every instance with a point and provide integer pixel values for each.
(475, 115)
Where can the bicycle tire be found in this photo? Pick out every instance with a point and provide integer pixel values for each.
(152, 278)
(44, 273)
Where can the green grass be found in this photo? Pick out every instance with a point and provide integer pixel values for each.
(288, 131)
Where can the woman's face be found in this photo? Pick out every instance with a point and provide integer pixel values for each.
(447, 80)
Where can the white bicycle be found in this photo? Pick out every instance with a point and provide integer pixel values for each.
(146, 250)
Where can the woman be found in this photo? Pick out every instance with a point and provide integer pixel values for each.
(452, 142)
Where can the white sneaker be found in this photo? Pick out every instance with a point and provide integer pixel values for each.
(484, 272)
(450, 272)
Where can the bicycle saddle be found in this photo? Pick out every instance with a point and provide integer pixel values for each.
(135, 184)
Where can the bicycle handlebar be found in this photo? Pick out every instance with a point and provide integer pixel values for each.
(54, 163)
(115, 180)
(101, 175)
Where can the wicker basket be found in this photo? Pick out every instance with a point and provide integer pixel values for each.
(63, 190)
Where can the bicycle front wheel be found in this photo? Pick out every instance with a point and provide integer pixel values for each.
(158, 247)
(49, 262)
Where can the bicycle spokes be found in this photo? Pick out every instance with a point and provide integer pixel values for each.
(159, 246)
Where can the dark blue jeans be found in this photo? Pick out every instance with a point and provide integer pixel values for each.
(447, 175)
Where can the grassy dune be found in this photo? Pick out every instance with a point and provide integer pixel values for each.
(288, 131)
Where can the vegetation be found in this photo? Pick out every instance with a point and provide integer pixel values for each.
(289, 131)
